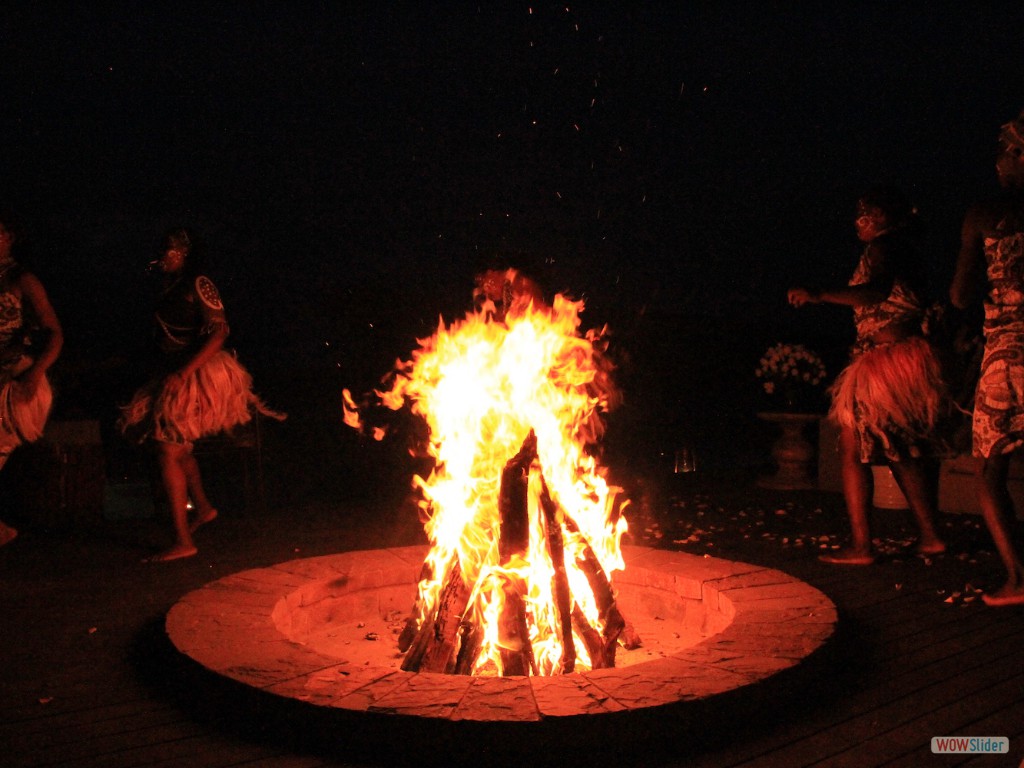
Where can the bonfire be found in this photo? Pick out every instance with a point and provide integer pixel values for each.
(523, 525)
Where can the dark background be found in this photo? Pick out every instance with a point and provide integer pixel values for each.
(350, 166)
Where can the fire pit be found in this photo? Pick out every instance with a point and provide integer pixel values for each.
(525, 609)
(324, 630)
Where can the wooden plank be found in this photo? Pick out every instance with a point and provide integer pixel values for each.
(896, 713)
(63, 733)
(912, 740)
(885, 684)
(109, 748)
(941, 646)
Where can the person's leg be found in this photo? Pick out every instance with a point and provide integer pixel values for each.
(204, 510)
(857, 491)
(913, 479)
(176, 486)
(997, 508)
(7, 532)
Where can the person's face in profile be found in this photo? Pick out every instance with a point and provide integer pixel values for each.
(173, 258)
(870, 222)
(1010, 165)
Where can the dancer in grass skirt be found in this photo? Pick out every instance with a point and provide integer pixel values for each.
(200, 389)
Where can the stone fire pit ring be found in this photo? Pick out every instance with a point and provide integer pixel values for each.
(322, 630)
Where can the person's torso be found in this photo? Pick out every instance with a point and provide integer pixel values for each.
(12, 316)
(905, 304)
(184, 314)
(1003, 242)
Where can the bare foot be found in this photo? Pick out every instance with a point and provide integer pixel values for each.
(203, 518)
(176, 552)
(936, 547)
(848, 557)
(7, 534)
(1005, 595)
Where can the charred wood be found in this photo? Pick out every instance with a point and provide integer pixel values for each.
(415, 615)
(433, 650)
(559, 581)
(591, 637)
(471, 639)
(513, 544)
(513, 633)
(608, 611)
(513, 510)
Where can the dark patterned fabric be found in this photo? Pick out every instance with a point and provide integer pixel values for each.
(998, 425)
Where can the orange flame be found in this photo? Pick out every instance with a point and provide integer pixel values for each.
(484, 387)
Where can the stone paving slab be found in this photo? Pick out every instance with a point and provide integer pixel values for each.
(254, 627)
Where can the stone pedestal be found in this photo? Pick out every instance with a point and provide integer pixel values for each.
(793, 453)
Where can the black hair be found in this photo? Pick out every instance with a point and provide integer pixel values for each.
(891, 201)
(184, 239)
(10, 221)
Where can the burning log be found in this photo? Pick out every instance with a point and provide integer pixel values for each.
(630, 638)
(471, 640)
(434, 647)
(513, 545)
(608, 611)
(416, 615)
(448, 642)
(513, 632)
(591, 637)
(559, 581)
(513, 502)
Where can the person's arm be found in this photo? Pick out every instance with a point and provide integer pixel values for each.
(213, 343)
(970, 263)
(216, 333)
(874, 291)
(32, 290)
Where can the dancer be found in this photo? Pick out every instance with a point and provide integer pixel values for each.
(200, 389)
(990, 267)
(25, 394)
(890, 401)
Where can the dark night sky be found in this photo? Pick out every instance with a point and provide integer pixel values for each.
(351, 164)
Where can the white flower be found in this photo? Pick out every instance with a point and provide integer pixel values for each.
(792, 363)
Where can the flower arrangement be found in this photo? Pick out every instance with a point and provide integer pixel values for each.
(790, 373)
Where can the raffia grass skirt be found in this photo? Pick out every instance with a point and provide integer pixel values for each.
(23, 421)
(216, 398)
(896, 399)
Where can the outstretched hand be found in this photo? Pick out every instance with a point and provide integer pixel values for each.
(797, 297)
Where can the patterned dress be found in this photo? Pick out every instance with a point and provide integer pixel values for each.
(20, 421)
(998, 425)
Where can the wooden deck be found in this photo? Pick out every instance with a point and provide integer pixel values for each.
(89, 679)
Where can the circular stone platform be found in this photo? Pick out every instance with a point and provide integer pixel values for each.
(323, 630)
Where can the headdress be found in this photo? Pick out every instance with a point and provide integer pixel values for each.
(1012, 133)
